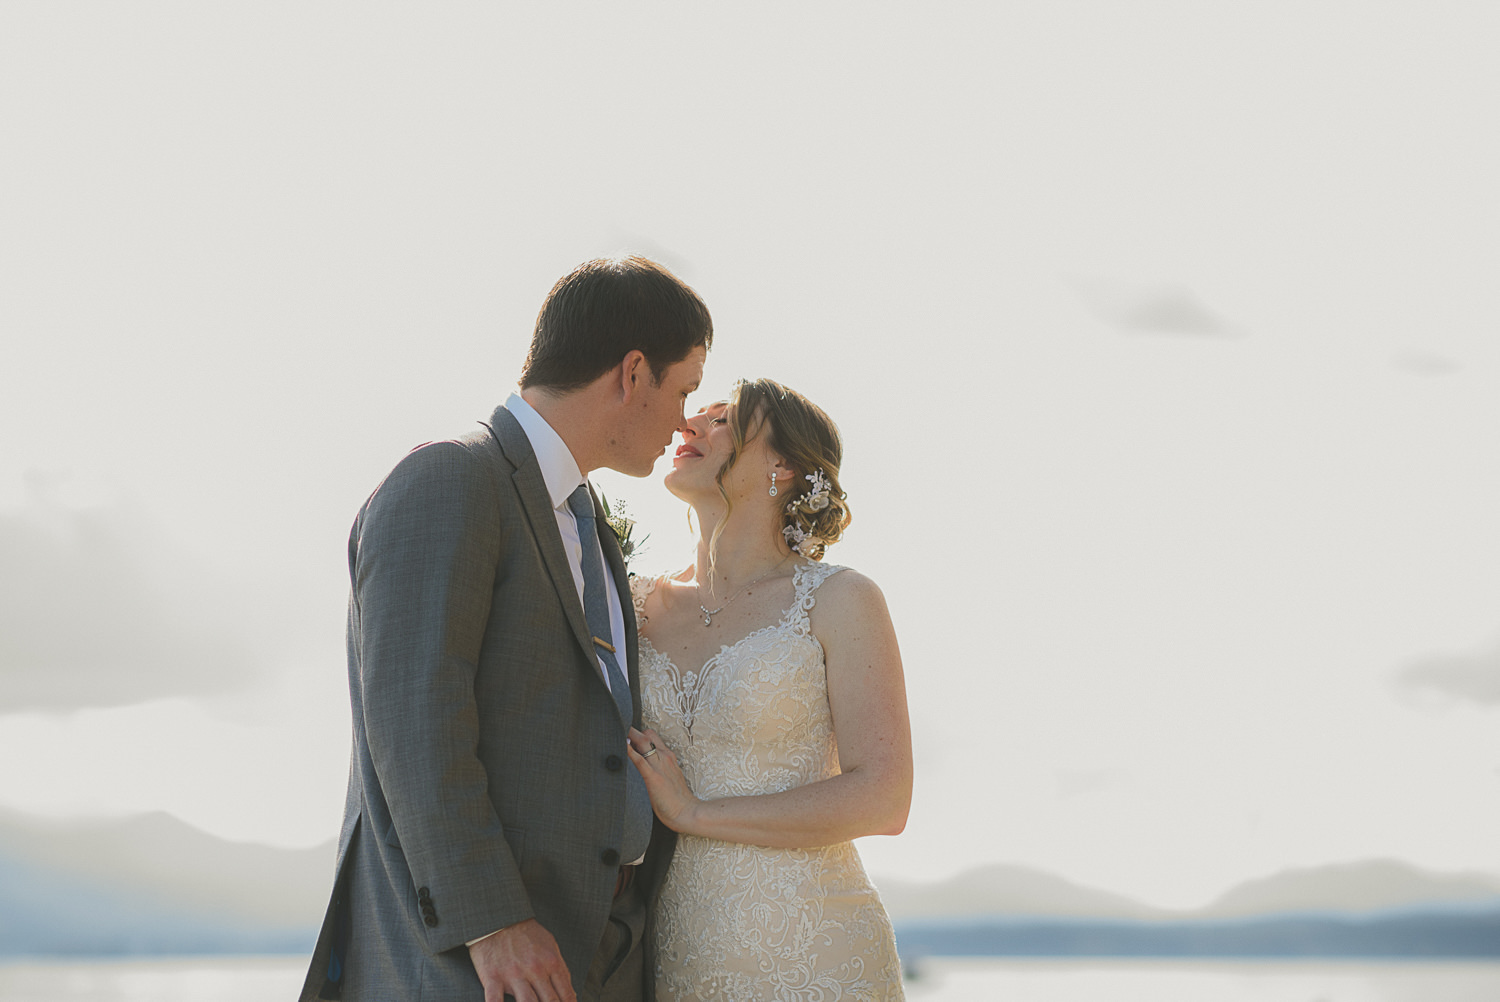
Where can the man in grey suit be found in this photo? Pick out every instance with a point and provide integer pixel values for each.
(497, 843)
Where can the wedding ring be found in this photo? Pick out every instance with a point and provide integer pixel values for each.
(650, 753)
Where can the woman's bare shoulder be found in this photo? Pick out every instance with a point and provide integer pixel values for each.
(849, 596)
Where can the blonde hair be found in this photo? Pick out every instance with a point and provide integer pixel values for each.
(798, 431)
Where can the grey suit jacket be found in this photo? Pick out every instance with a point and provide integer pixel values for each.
(487, 783)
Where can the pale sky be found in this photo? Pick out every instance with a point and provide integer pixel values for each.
(1164, 337)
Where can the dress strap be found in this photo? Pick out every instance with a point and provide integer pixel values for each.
(640, 588)
(805, 580)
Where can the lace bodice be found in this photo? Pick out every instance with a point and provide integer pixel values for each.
(738, 922)
(754, 718)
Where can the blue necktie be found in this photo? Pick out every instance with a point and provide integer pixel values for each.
(637, 832)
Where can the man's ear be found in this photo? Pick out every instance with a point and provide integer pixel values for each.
(634, 372)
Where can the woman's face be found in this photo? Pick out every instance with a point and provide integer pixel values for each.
(707, 444)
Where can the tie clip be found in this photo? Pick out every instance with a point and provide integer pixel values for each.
(605, 644)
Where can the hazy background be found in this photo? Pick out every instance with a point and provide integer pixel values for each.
(1163, 337)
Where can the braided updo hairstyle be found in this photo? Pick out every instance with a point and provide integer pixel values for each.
(798, 431)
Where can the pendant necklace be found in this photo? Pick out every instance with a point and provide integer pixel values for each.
(709, 614)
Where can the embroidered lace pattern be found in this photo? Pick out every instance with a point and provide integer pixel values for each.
(743, 923)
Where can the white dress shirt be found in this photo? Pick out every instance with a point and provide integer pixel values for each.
(561, 474)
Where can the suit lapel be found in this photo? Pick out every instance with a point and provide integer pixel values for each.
(616, 560)
(538, 504)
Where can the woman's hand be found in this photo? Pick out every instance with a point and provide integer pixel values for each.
(668, 788)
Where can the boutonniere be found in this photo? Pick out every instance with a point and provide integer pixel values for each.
(622, 526)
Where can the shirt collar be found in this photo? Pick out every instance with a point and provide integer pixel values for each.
(559, 469)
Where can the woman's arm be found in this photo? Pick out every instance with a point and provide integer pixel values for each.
(867, 695)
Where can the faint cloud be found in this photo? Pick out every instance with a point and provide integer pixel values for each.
(1473, 676)
(1165, 309)
(97, 608)
(1427, 363)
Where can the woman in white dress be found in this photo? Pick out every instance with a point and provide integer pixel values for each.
(776, 723)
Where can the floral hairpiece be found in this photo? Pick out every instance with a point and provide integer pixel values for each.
(816, 499)
(800, 540)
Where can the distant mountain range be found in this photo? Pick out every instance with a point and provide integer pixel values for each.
(1379, 908)
(153, 885)
(1374, 885)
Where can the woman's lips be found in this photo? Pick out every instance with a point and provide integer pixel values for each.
(687, 450)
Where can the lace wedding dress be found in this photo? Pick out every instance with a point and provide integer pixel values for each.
(745, 923)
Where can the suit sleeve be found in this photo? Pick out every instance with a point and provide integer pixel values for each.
(424, 578)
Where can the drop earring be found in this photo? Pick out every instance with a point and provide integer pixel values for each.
(773, 485)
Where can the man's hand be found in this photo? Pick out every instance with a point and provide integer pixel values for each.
(522, 961)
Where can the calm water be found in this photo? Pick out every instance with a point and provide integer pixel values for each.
(277, 979)
(1111, 980)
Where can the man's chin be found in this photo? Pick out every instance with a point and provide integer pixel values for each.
(640, 469)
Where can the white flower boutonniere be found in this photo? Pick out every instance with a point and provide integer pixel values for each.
(622, 526)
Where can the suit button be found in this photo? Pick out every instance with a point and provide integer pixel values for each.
(422, 894)
(430, 919)
(609, 857)
(614, 763)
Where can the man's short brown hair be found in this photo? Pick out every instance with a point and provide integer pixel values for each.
(605, 308)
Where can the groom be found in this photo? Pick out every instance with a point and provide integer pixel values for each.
(496, 840)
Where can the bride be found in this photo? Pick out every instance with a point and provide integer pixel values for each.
(776, 724)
